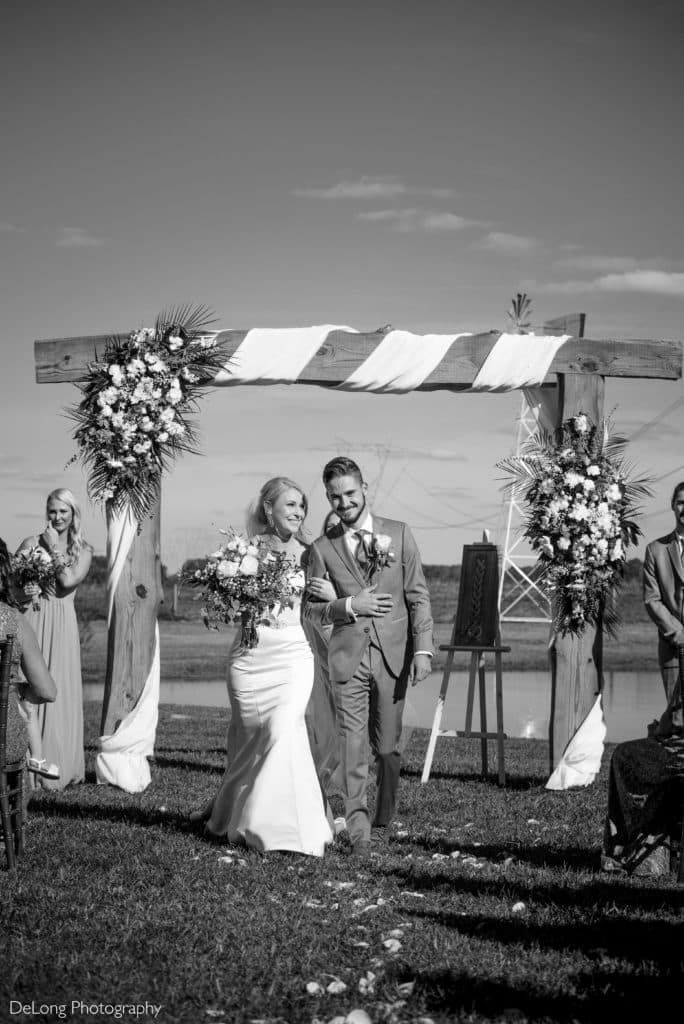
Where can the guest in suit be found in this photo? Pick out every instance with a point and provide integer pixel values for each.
(664, 599)
(381, 640)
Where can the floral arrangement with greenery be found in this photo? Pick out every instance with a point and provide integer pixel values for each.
(246, 580)
(132, 420)
(34, 565)
(580, 517)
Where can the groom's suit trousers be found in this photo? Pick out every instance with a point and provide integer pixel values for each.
(369, 707)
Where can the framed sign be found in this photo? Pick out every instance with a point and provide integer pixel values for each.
(477, 614)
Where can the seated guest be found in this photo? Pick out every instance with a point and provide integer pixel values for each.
(38, 687)
(645, 799)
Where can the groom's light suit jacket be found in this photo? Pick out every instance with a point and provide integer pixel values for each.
(405, 629)
(663, 580)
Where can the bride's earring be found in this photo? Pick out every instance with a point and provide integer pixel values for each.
(269, 519)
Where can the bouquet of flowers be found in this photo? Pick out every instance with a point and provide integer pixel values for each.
(133, 417)
(246, 580)
(34, 565)
(580, 518)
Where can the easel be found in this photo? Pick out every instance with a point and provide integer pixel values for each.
(476, 629)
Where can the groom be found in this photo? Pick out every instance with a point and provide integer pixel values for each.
(381, 639)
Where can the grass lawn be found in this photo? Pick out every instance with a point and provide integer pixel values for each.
(486, 905)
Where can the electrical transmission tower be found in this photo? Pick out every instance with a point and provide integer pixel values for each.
(521, 597)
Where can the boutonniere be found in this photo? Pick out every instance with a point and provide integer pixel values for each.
(379, 550)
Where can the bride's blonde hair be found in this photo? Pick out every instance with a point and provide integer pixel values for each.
(257, 520)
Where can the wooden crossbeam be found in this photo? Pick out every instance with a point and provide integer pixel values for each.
(66, 359)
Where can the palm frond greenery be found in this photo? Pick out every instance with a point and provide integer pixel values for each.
(134, 416)
(519, 314)
(581, 502)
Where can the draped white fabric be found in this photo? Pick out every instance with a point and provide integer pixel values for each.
(274, 354)
(122, 757)
(518, 361)
(581, 760)
(401, 362)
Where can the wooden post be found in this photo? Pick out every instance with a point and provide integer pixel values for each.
(131, 640)
(576, 670)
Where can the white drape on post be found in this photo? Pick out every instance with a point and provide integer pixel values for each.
(581, 760)
(122, 757)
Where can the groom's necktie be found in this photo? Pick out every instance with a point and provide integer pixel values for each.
(362, 549)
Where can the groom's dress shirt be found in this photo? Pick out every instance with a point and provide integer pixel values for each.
(352, 540)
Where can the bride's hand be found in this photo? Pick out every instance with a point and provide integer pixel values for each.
(321, 589)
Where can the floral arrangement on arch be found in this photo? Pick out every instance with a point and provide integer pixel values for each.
(580, 516)
(132, 420)
(245, 580)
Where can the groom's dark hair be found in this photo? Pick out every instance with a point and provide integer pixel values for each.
(341, 466)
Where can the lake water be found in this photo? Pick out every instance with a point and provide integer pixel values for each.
(630, 699)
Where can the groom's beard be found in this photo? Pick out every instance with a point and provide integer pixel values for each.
(359, 515)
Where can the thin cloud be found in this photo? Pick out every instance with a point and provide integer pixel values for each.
(368, 187)
(657, 282)
(652, 282)
(501, 241)
(600, 264)
(416, 219)
(10, 228)
(77, 238)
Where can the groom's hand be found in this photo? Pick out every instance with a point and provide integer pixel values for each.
(367, 602)
(421, 666)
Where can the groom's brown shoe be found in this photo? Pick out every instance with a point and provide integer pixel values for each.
(361, 850)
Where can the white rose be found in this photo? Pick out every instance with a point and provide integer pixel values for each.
(297, 580)
(174, 342)
(383, 542)
(249, 566)
(226, 569)
(581, 424)
(593, 470)
(252, 549)
(563, 543)
(146, 424)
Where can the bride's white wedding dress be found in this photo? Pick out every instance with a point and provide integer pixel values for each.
(270, 797)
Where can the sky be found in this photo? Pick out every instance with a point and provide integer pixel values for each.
(289, 164)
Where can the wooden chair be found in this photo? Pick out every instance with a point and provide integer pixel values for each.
(476, 630)
(12, 773)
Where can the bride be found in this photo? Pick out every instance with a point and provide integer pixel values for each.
(270, 798)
